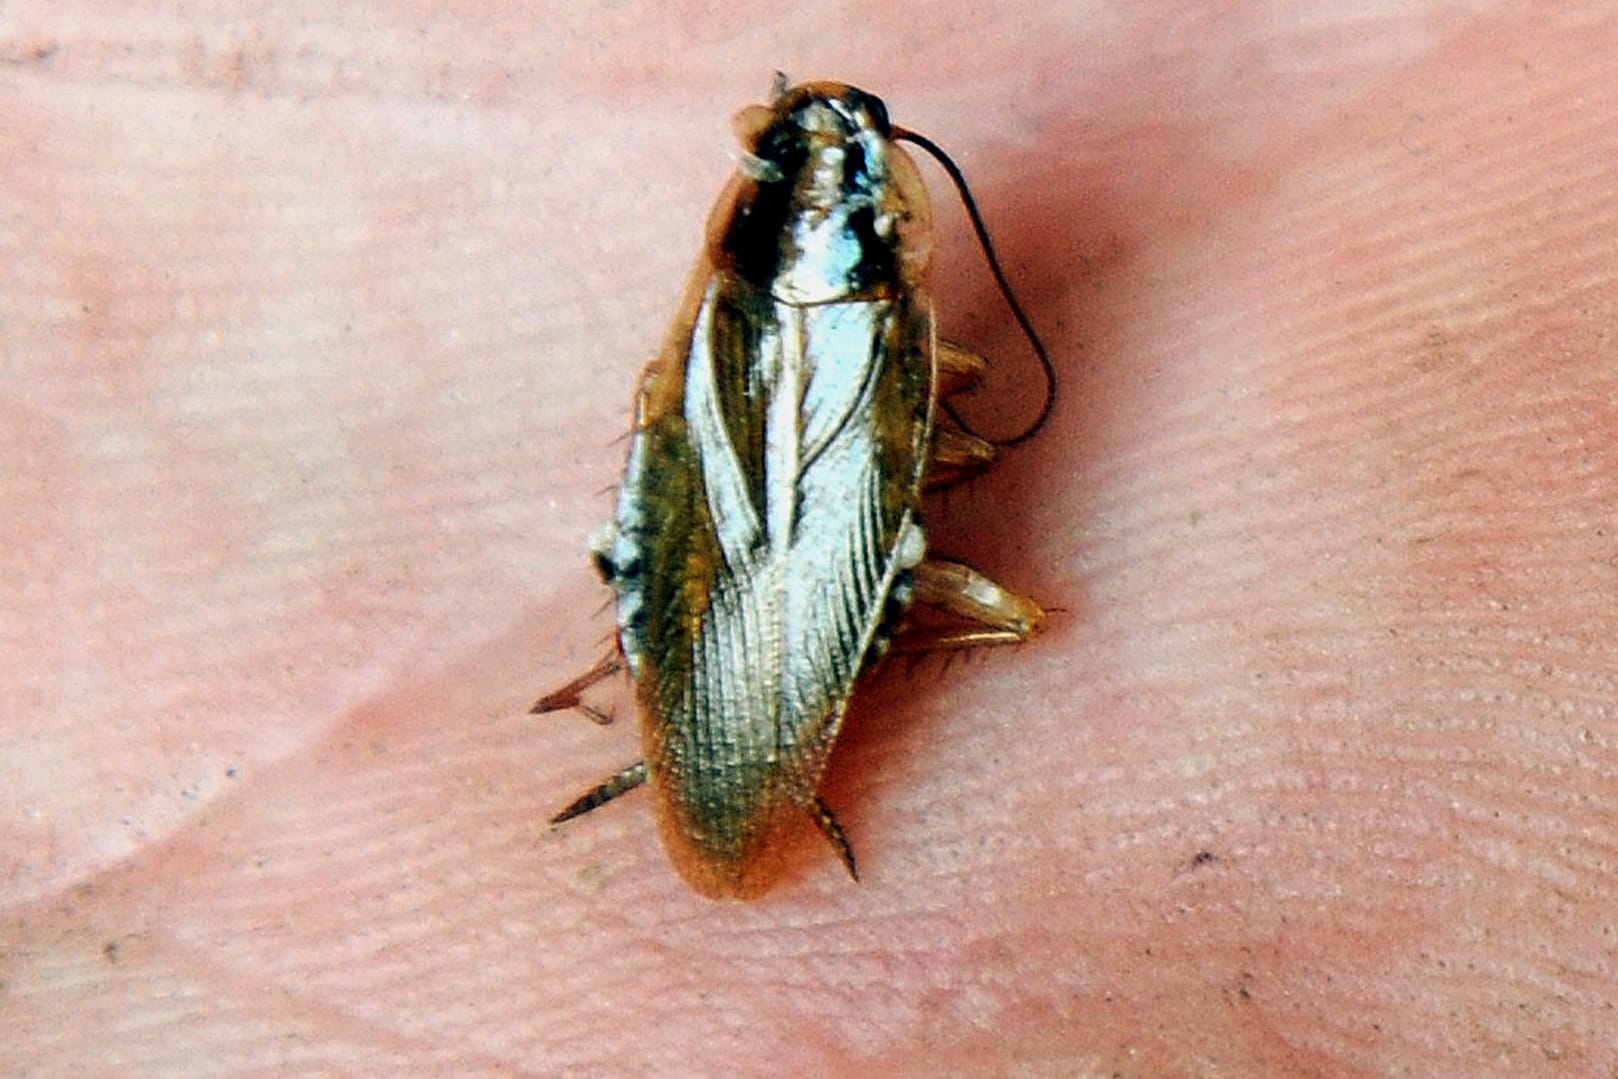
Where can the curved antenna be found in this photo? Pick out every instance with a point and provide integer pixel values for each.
(954, 171)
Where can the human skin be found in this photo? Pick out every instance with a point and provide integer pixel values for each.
(319, 340)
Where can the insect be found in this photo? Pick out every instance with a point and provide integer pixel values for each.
(767, 547)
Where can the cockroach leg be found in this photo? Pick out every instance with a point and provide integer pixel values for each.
(959, 369)
(572, 694)
(998, 615)
(957, 457)
(625, 781)
(827, 822)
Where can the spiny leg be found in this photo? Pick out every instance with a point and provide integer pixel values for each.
(625, 781)
(827, 822)
(571, 695)
(999, 615)
(959, 369)
(956, 457)
(957, 454)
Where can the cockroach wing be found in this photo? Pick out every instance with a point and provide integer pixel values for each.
(765, 528)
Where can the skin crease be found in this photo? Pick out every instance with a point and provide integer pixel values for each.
(319, 334)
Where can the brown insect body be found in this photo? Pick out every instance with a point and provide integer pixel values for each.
(766, 543)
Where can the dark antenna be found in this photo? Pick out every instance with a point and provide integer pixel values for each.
(954, 171)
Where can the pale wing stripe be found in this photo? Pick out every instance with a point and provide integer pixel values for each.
(783, 430)
(735, 519)
(847, 567)
(842, 333)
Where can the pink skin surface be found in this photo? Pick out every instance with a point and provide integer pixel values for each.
(318, 335)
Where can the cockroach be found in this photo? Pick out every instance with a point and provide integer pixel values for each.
(767, 547)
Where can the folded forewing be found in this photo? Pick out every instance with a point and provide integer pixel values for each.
(770, 533)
